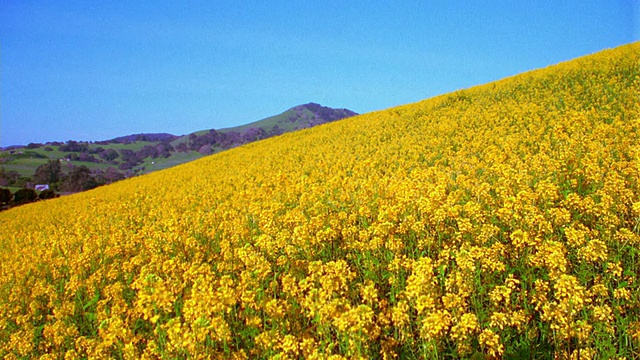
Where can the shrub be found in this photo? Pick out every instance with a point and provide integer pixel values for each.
(5, 196)
(24, 196)
(47, 194)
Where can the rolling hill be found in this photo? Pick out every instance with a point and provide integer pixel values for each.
(144, 153)
(297, 118)
(499, 221)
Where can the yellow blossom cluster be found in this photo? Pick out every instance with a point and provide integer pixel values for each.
(497, 221)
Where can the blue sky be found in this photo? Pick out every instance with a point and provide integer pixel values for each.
(94, 70)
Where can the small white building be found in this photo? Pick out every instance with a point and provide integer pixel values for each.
(42, 187)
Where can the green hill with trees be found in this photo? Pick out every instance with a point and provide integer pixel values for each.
(74, 166)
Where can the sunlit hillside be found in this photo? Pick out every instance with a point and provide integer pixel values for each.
(497, 221)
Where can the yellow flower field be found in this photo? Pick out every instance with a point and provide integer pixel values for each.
(497, 221)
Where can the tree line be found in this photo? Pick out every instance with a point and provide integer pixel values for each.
(80, 178)
(23, 196)
(76, 179)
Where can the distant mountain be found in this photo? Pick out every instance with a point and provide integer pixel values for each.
(124, 156)
(297, 118)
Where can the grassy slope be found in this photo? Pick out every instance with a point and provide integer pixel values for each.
(26, 164)
(267, 124)
(185, 138)
(151, 165)
(500, 219)
(281, 120)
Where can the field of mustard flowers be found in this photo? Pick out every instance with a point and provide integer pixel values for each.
(497, 221)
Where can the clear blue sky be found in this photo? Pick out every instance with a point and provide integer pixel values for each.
(94, 70)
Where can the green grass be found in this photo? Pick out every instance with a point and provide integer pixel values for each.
(90, 165)
(160, 163)
(134, 146)
(53, 154)
(27, 167)
(26, 164)
(281, 120)
(185, 138)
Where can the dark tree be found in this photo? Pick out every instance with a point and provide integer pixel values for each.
(275, 130)
(164, 149)
(109, 154)
(79, 179)
(127, 155)
(112, 175)
(231, 139)
(87, 158)
(24, 196)
(253, 134)
(182, 147)
(74, 146)
(8, 177)
(147, 151)
(205, 150)
(126, 166)
(48, 194)
(5, 196)
(48, 173)
(97, 150)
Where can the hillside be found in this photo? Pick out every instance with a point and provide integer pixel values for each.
(297, 118)
(496, 221)
(125, 156)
